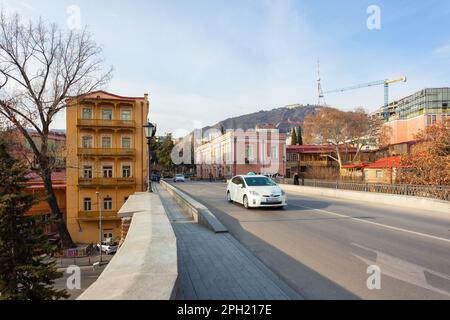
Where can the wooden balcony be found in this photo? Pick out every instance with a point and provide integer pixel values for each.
(94, 215)
(106, 182)
(99, 123)
(310, 163)
(99, 152)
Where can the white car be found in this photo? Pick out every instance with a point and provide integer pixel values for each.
(108, 247)
(178, 178)
(255, 191)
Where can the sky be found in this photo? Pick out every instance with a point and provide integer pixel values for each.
(202, 61)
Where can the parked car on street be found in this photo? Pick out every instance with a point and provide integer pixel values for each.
(255, 191)
(179, 178)
(108, 246)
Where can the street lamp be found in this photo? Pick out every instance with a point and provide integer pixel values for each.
(100, 224)
(150, 131)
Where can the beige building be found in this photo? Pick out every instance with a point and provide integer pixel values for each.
(106, 161)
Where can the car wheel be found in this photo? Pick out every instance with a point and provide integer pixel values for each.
(245, 202)
(229, 197)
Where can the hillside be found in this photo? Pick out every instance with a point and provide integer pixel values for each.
(285, 118)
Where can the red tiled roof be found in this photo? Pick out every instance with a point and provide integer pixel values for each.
(56, 176)
(389, 162)
(109, 94)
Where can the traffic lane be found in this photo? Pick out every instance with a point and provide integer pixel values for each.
(417, 220)
(339, 248)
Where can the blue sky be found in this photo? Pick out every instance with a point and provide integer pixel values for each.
(205, 60)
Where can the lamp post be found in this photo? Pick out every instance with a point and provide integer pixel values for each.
(100, 224)
(150, 131)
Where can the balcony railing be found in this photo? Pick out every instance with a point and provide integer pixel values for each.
(94, 182)
(308, 163)
(106, 123)
(106, 152)
(94, 215)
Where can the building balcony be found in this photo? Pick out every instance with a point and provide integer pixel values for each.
(308, 163)
(106, 182)
(99, 123)
(99, 152)
(94, 215)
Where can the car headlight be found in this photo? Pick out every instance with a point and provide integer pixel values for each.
(283, 193)
(254, 193)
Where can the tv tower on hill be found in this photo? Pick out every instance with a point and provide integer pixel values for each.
(320, 96)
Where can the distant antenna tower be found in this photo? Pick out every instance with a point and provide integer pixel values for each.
(320, 96)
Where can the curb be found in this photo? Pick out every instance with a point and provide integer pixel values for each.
(199, 212)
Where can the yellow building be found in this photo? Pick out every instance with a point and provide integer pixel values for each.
(106, 161)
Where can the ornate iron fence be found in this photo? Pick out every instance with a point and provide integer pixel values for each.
(435, 192)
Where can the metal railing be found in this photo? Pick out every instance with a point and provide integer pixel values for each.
(434, 192)
(106, 182)
(106, 152)
(94, 215)
(106, 123)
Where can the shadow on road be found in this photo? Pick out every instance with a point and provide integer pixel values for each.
(301, 278)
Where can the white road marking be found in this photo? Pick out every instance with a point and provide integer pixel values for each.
(403, 270)
(379, 224)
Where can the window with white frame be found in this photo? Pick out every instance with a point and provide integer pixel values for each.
(379, 173)
(86, 142)
(87, 113)
(107, 114)
(125, 114)
(126, 142)
(107, 203)
(87, 204)
(106, 142)
(87, 172)
(126, 171)
(274, 152)
(107, 171)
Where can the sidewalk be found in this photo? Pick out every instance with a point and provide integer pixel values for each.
(216, 266)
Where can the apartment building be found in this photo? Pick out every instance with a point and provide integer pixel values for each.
(106, 161)
(261, 150)
(416, 112)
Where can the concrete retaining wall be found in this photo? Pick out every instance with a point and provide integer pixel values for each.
(377, 198)
(199, 212)
(145, 266)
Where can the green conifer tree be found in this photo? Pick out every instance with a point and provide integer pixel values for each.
(26, 269)
(300, 136)
(294, 137)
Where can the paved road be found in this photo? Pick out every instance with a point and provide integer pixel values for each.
(88, 277)
(323, 247)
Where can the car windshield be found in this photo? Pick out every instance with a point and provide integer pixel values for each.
(259, 182)
(179, 175)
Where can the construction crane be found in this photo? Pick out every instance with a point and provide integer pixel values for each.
(386, 84)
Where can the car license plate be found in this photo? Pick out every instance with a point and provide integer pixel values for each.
(270, 200)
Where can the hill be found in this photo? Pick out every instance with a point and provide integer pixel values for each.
(285, 118)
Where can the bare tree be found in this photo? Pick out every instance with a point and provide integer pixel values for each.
(41, 66)
(342, 129)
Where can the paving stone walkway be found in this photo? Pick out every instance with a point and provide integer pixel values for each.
(216, 266)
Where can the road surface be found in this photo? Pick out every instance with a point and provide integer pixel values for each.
(326, 248)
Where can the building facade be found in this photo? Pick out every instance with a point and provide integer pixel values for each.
(416, 112)
(41, 210)
(262, 151)
(106, 161)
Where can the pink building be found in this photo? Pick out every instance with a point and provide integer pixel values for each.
(238, 152)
